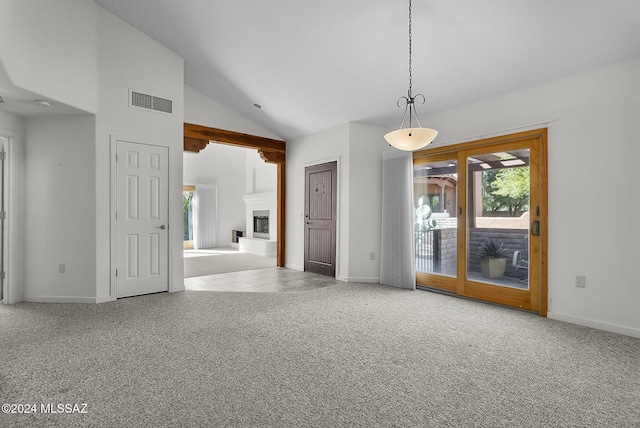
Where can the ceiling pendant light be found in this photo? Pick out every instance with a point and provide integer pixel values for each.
(410, 138)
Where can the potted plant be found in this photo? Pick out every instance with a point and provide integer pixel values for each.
(493, 258)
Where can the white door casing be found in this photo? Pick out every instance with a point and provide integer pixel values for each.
(142, 229)
(3, 155)
(12, 284)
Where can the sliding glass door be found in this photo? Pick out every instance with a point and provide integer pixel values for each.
(480, 223)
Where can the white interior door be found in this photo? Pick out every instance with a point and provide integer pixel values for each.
(142, 219)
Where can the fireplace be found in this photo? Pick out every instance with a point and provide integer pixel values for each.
(261, 224)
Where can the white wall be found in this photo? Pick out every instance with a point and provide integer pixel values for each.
(236, 171)
(202, 110)
(260, 177)
(358, 149)
(59, 212)
(366, 145)
(128, 59)
(593, 203)
(49, 48)
(223, 166)
(325, 146)
(12, 123)
(77, 53)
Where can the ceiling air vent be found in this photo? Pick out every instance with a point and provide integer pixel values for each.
(150, 102)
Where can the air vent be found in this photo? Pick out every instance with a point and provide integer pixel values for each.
(150, 102)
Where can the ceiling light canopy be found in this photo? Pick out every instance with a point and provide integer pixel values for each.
(42, 103)
(410, 139)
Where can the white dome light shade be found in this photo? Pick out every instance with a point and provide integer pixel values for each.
(410, 139)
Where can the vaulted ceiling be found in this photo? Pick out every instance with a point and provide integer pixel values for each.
(317, 64)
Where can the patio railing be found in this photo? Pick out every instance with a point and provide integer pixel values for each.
(428, 250)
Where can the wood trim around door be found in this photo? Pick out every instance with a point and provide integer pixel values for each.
(196, 138)
(540, 182)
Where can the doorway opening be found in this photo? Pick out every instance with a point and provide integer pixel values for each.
(230, 211)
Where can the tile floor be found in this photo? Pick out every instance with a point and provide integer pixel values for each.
(267, 280)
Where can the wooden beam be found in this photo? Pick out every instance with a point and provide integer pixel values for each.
(272, 156)
(194, 144)
(282, 176)
(233, 138)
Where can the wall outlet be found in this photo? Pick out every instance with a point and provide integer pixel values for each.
(581, 281)
(372, 256)
(61, 268)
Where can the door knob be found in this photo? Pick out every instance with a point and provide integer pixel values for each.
(163, 227)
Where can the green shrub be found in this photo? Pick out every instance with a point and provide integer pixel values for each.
(493, 249)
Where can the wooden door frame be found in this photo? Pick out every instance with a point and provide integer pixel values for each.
(196, 138)
(541, 182)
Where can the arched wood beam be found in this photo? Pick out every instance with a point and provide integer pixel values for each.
(196, 138)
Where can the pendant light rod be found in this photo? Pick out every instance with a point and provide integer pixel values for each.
(410, 101)
(410, 50)
(410, 138)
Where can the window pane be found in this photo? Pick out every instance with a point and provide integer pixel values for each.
(498, 218)
(435, 221)
(187, 205)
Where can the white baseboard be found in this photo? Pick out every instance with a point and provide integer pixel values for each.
(340, 278)
(364, 280)
(614, 328)
(60, 299)
(68, 299)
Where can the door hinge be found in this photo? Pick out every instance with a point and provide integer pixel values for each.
(3, 275)
(116, 215)
(116, 157)
(3, 155)
(3, 215)
(116, 272)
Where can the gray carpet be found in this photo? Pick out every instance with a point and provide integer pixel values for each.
(222, 260)
(346, 355)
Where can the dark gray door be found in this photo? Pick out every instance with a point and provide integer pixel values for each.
(320, 218)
